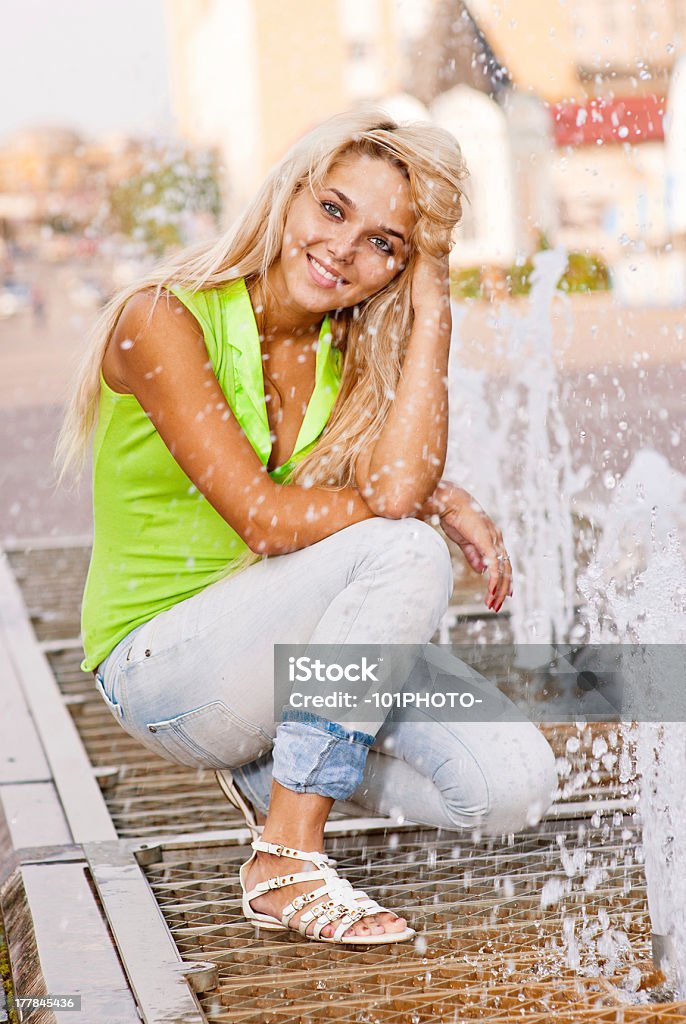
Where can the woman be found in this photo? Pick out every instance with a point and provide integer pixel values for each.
(271, 432)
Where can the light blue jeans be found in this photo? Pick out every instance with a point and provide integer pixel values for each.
(195, 684)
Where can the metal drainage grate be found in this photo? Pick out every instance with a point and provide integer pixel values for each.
(487, 948)
(52, 581)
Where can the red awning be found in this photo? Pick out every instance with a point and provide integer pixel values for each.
(630, 119)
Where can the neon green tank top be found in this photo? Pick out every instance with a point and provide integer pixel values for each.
(157, 540)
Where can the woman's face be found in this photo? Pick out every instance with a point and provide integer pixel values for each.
(348, 240)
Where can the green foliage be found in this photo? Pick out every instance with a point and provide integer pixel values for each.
(155, 207)
(6, 990)
(585, 272)
(519, 278)
(466, 283)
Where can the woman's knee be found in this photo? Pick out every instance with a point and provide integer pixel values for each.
(504, 783)
(413, 544)
(522, 781)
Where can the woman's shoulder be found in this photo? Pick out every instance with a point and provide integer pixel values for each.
(177, 306)
(150, 326)
(151, 308)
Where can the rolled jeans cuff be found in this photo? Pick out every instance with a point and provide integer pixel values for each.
(314, 755)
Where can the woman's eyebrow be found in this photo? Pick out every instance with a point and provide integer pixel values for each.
(348, 202)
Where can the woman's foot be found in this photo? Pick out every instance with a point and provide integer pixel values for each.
(267, 865)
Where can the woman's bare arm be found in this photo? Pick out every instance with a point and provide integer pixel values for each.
(168, 370)
(402, 469)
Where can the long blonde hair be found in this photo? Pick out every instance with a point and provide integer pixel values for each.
(372, 335)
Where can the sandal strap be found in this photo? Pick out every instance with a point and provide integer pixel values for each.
(287, 851)
(280, 880)
(278, 850)
(327, 914)
(298, 902)
(343, 927)
(345, 904)
(345, 920)
(340, 903)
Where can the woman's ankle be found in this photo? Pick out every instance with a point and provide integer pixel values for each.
(294, 840)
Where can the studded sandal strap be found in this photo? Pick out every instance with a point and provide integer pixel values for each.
(322, 909)
(280, 880)
(270, 883)
(278, 850)
(345, 921)
(340, 904)
(298, 902)
(327, 914)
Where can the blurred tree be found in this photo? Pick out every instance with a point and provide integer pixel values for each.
(161, 205)
(585, 272)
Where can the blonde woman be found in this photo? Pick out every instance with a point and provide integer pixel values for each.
(271, 431)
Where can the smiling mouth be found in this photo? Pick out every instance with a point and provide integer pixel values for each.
(324, 272)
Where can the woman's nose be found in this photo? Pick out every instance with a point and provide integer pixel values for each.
(342, 247)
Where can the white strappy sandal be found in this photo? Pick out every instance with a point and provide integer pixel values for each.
(345, 903)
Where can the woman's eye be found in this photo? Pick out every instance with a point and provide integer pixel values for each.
(389, 248)
(326, 203)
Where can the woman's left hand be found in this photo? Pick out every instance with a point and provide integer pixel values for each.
(464, 521)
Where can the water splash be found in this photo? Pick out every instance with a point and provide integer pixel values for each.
(521, 455)
(636, 593)
(634, 587)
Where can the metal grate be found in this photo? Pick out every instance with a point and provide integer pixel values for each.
(487, 948)
(51, 581)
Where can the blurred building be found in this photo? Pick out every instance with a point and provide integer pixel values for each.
(601, 70)
(251, 76)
